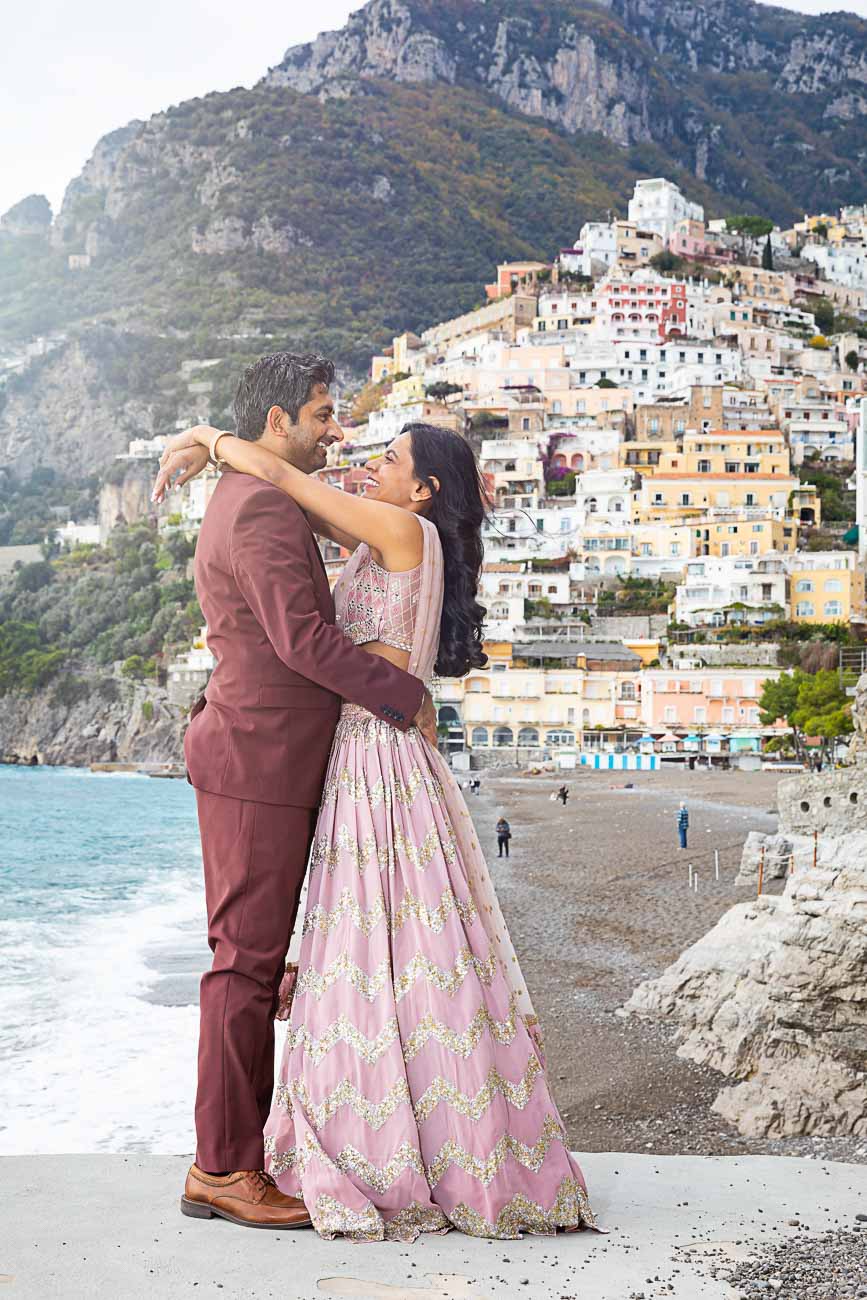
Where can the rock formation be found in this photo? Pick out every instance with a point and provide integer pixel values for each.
(775, 995)
(91, 719)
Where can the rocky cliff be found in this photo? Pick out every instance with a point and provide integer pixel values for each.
(775, 996)
(702, 80)
(101, 720)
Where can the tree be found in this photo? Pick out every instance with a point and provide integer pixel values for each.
(819, 342)
(442, 389)
(823, 315)
(749, 228)
(813, 704)
(779, 699)
(605, 383)
(823, 708)
(666, 262)
(768, 256)
(852, 360)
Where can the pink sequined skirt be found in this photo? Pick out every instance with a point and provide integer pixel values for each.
(412, 1096)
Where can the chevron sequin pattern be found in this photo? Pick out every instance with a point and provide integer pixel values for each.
(412, 1096)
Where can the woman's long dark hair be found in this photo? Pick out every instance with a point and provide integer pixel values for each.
(457, 509)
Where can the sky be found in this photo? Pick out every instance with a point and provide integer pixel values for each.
(69, 73)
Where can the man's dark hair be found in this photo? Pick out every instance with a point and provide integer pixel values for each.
(283, 379)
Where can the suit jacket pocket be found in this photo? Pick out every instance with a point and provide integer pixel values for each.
(295, 696)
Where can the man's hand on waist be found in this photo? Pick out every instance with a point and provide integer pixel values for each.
(426, 719)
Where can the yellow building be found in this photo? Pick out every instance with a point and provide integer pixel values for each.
(518, 702)
(406, 391)
(635, 246)
(722, 469)
(825, 587)
(644, 455)
(745, 534)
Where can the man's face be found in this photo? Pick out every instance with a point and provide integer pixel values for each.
(308, 440)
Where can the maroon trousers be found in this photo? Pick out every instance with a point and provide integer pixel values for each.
(255, 855)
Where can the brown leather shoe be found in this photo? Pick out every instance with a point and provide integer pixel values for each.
(249, 1197)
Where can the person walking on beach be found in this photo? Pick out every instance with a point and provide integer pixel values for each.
(412, 1094)
(256, 751)
(682, 823)
(563, 794)
(504, 834)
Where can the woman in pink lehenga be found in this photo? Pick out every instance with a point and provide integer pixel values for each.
(412, 1095)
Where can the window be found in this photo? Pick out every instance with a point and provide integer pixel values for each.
(685, 499)
(833, 609)
(699, 714)
(674, 548)
(754, 548)
(653, 424)
(728, 714)
(804, 584)
(525, 422)
(476, 684)
(627, 691)
(557, 407)
(479, 736)
(670, 714)
(555, 738)
(750, 499)
(724, 549)
(503, 736)
(804, 609)
(704, 467)
(528, 736)
(552, 590)
(833, 584)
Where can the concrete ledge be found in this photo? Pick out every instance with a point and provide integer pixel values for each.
(79, 1226)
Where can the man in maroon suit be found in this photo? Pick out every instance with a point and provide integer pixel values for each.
(256, 750)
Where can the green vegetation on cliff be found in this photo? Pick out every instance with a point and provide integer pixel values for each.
(128, 601)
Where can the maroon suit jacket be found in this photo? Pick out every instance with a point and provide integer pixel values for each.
(264, 727)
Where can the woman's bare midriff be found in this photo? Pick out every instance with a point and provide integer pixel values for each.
(400, 658)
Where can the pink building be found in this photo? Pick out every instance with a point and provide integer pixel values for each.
(636, 308)
(695, 701)
(689, 239)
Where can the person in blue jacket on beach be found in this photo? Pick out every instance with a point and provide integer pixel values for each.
(682, 823)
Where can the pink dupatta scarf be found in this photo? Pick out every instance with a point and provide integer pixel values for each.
(422, 658)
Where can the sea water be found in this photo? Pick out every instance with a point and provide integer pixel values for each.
(102, 943)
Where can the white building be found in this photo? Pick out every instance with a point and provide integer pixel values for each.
(594, 251)
(815, 423)
(844, 263)
(605, 492)
(860, 483)
(146, 448)
(721, 589)
(71, 534)
(659, 205)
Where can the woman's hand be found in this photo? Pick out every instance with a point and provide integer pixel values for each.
(199, 435)
(185, 462)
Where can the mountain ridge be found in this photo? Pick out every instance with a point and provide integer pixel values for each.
(337, 211)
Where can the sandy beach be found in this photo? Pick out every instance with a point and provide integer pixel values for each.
(596, 898)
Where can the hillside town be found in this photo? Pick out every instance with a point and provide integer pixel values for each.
(670, 421)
